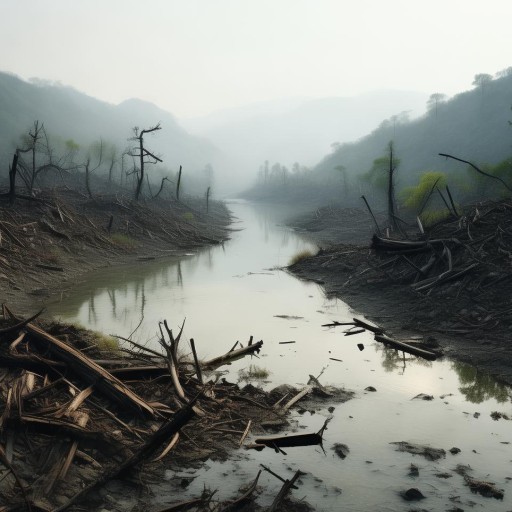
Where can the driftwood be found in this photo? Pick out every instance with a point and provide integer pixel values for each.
(404, 347)
(166, 431)
(61, 410)
(292, 440)
(233, 355)
(380, 336)
(92, 373)
(285, 489)
(297, 397)
(243, 499)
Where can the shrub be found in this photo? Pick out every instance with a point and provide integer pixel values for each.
(253, 372)
(300, 256)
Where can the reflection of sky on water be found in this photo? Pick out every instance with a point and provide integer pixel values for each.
(230, 292)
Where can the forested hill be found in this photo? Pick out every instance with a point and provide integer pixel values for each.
(70, 114)
(473, 125)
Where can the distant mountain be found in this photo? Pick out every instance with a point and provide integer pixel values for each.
(299, 130)
(70, 114)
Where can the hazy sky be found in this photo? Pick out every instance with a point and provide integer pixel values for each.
(192, 57)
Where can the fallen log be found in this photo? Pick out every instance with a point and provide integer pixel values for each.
(92, 373)
(233, 355)
(404, 347)
(369, 326)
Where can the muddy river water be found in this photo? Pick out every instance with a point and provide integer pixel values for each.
(230, 292)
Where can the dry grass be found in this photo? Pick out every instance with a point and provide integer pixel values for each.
(300, 256)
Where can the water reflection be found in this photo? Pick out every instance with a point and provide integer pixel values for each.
(229, 294)
(477, 386)
(396, 360)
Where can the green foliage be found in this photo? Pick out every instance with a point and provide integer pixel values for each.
(72, 146)
(188, 216)
(431, 217)
(302, 255)
(123, 241)
(414, 197)
(104, 342)
(485, 185)
(378, 174)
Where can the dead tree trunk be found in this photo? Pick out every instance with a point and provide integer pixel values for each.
(12, 179)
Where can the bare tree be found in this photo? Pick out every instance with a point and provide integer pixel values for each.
(393, 164)
(96, 152)
(41, 158)
(145, 156)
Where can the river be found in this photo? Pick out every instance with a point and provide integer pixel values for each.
(230, 292)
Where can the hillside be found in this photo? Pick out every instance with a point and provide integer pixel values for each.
(70, 114)
(473, 125)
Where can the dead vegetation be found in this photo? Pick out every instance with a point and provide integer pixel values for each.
(56, 236)
(452, 280)
(73, 417)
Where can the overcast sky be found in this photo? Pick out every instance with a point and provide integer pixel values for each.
(193, 57)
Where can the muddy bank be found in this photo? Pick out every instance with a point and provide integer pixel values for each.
(49, 243)
(469, 314)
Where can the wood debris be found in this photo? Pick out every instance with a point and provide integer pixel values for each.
(71, 420)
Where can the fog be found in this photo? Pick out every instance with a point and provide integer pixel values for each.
(237, 84)
(302, 131)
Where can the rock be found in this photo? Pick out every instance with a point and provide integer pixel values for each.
(412, 494)
(454, 450)
(370, 388)
(360, 346)
(341, 450)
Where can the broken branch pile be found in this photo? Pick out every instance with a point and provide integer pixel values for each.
(71, 420)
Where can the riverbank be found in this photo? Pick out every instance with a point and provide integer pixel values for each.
(468, 315)
(51, 242)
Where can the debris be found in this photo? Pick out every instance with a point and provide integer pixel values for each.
(486, 489)
(423, 396)
(288, 441)
(412, 494)
(414, 470)
(418, 449)
(400, 345)
(341, 450)
(71, 422)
